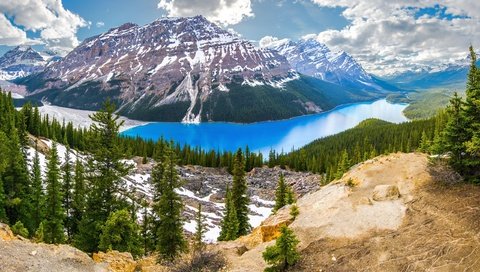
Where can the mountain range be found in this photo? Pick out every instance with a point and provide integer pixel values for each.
(191, 70)
(452, 76)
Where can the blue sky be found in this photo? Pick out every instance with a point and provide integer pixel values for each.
(384, 36)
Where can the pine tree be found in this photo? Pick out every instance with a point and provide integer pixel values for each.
(19, 229)
(54, 212)
(121, 233)
(105, 172)
(343, 165)
(455, 134)
(229, 225)
(239, 194)
(284, 253)
(168, 208)
(472, 118)
(16, 184)
(38, 196)
(294, 212)
(67, 193)
(289, 195)
(78, 198)
(3, 164)
(280, 193)
(200, 230)
(424, 143)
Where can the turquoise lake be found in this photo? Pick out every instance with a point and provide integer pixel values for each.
(278, 135)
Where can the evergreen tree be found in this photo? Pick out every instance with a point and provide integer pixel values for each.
(200, 230)
(294, 212)
(67, 193)
(280, 193)
(239, 194)
(16, 184)
(229, 225)
(472, 118)
(121, 233)
(78, 198)
(54, 213)
(284, 253)
(168, 208)
(424, 143)
(19, 229)
(289, 195)
(343, 165)
(3, 164)
(105, 172)
(38, 196)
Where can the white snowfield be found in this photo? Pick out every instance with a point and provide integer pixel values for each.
(139, 182)
(80, 118)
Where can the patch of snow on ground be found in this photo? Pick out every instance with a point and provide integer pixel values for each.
(80, 118)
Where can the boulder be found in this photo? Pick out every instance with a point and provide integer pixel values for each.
(269, 230)
(385, 192)
(116, 261)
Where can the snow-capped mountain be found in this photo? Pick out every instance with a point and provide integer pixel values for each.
(310, 57)
(452, 75)
(183, 69)
(20, 62)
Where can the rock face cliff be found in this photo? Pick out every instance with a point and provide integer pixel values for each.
(184, 69)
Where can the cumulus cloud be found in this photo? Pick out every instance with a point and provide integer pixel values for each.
(267, 41)
(56, 25)
(394, 36)
(100, 24)
(224, 12)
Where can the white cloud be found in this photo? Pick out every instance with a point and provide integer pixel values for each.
(224, 12)
(267, 41)
(100, 24)
(56, 25)
(387, 36)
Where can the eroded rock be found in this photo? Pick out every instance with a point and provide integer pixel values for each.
(385, 192)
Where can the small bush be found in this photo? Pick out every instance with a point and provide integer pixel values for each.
(294, 212)
(201, 262)
(19, 229)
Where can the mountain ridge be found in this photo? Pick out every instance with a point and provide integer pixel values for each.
(185, 69)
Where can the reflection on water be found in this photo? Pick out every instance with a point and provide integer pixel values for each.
(279, 135)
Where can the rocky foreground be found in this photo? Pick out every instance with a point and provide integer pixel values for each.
(392, 213)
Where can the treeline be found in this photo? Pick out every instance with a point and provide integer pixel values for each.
(65, 133)
(333, 155)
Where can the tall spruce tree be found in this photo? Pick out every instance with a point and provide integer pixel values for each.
(239, 194)
(455, 134)
(67, 193)
(16, 182)
(280, 193)
(53, 230)
(78, 198)
(229, 224)
(472, 118)
(168, 208)
(38, 195)
(105, 172)
(343, 165)
(200, 230)
(3, 164)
